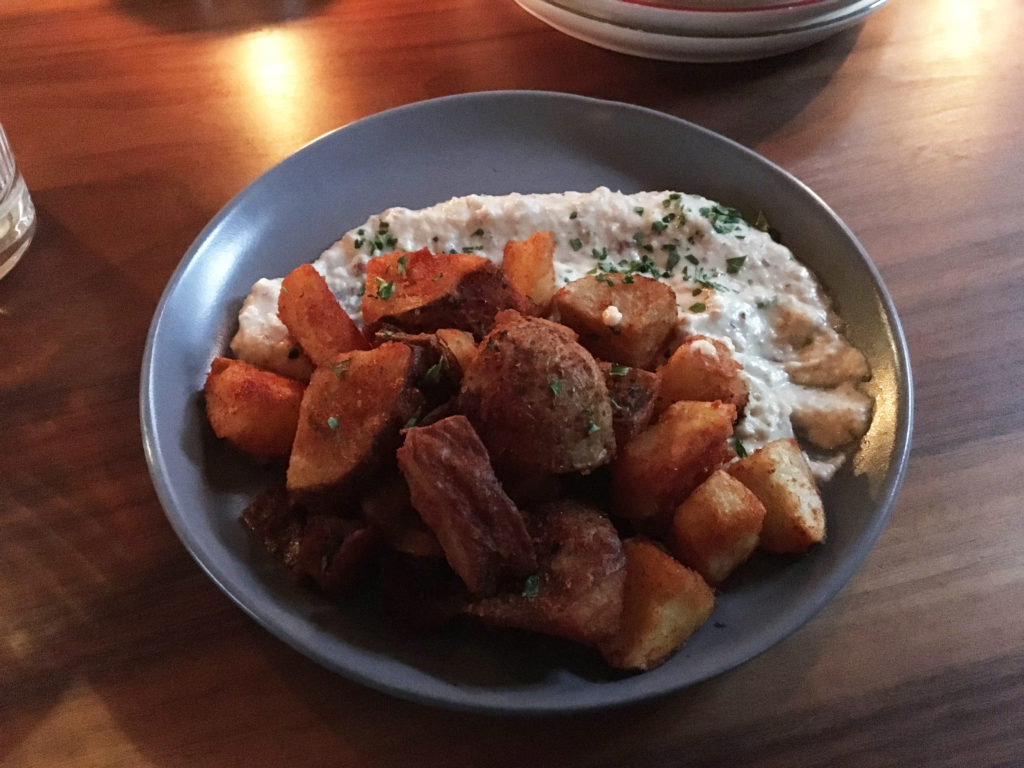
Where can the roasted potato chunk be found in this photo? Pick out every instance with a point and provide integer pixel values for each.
(633, 393)
(577, 590)
(453, 487)
(780, 477)
(662, 465)
(529, 266)
(701, 368)
(314, 317)
(351, 415)
(256, 411)
(663, 603)
(538, 399)
(422, 291)
(717, 527)
(620, 318)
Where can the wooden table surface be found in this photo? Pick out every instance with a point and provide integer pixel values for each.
(135, 120)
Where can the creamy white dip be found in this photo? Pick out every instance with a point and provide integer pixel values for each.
(733, 282)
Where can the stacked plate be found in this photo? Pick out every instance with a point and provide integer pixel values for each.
(701, 30)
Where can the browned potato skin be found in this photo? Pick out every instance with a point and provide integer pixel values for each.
(314, 317)
(458, 347)
(454, 489)
(692, 374)
(351, 415)
(430, 291)
(529, 266)
(580, 579)
(256, 411)
(662, 465)
(663, 603)
(648, 310)
(633, 393)
(509, 396)
(717, 527)
(780, 477)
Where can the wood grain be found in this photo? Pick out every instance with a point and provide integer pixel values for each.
(135, 120)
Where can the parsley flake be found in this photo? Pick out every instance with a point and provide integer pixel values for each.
(735, 264)
(619, 370)
(385, 289)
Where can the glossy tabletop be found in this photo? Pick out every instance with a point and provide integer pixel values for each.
(135, 121)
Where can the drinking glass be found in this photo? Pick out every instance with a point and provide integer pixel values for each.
(17, 214)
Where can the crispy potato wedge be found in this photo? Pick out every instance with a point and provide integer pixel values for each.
(351, 415)
(662, 465)
(256, 411)
(421, 291)
(529, 266)
(314, 318)
(577, 591)
(663, 603)
(717, 528)
(538, 399)
(780, 477)
(454, 489)
(701, 368)
(633, 393)
(620, 318)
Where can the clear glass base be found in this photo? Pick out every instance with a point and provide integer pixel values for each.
(17, 224)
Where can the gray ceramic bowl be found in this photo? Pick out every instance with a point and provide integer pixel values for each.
(496, 143)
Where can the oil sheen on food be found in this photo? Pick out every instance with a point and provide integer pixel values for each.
(732, 281)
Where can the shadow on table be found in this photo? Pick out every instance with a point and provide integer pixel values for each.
(217, 15)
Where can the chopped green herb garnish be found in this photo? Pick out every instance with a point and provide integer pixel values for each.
(556, 386)
(413, 420)
(723, 218)
(604, 279)
(592, 427)
(401, 264)
(737, 446)
(433, 374)
(479, 233)
(659, 227)
(698, 306)
(385, 289)
(767, 303)
(761, 222)
(735, 264)
(692, 259)
(332, 422)
(340, 368)
(619, 370)
(639, 210)
(573, 215)
(575, 243)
